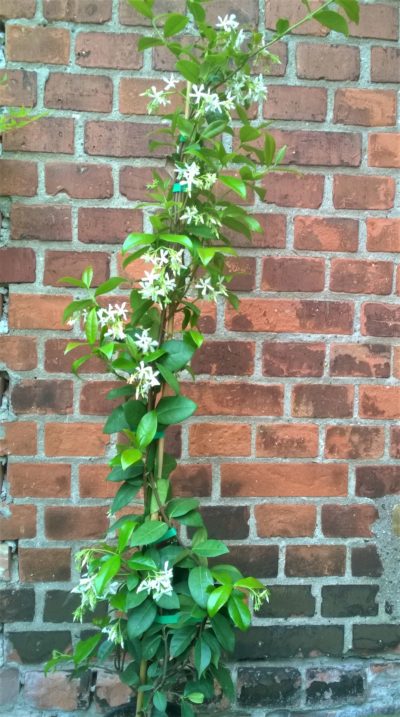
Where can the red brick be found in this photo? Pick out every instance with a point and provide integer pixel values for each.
(18, 352)
(39, 480)
(292, 274)
(42, 397)
(49, 134)
(291, 190)
(385, 64)
(224, 358)
(325, 234)
(110, 50)
(294, 11)
(94, 401)
(44, 565)
(129, 16)
(41, 222)
(296, 103)
(384, 149)
(18, 178)
(322, 401)
(235, 399)
(370, 108)
(377, 20)
(38, 312)
(380, 402)
(243, 269)
(20, 89)
(361, 277)
(20, 439)
(52, 691)
(383, 235)
(377, 481)
(133, 102)
(107, 226)
(291, 358)
(363, 192)
(287, 440)
(380, 319)
(395, 442)
(348, 521)
(75, 439)
(17, 8)
(68, 263)
(79, 181)
(315, 560)
(289, 521)
(396, 367)
(49, 45)
(327, 62)
(92, 93)
(354, 442)
(320, 148)
(56, 361)
(219, 439)
(18, 522)
(371, 360)
(279, 480)
(78, 10)
(133, 181)
(121, 139)
(290, 316)
(17, 266)
(189, 480)
(273, 234)
(93, 483)
(73, 523)
(207, 321)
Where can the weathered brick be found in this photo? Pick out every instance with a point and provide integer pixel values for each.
(75, 523)
(243, 270)
(294, 316)
(93, 482)
(65, 263)
(360, 360)
(94, 401)
(380, 319)
(322, 401)
(110, 691)
(109, 50)
(291, 358)
(17, 8)
(384, 149)
(287, 440)
(348, 521)
(319, 148)
(120, 139)
(219, 439)
(53, 691)
(289, 601)
(281, 642)
(296, 103)
(192, 479)
(9, 676)
(325, 234)
(38, 312)
(39, 480)
(17, 266)
(376, 638)
(133, 181)
(17, 605)
(327, 62)
(49, 45)
(107, 226)
(363, 192)
(75, 439)
(20, 89)
(361, 277)
(20, 438)
(260, 687)
(283, 479)
(56, 361)
(292, 274)
(34, 647)
(378, 20)
(329, 686)
(133, 101)
(78, 10)
(42, 397)
(227, 522)
(380, 402)
(236, 399)
(383, 234)
(129, 16)
(354, 442)
(49, 134)
(224, 358)
(365, 562)
(371, 108)
(291, 521)
(395, 442)
(86, 93)
(290, 190)
(40, 222)
(273, 235)
(385, 64)
(79, 181)
(315, 560)
(17, 521)
(44, 564)
(377, 481)
(18, 352)
(294, 10)
(259, 560)
(18, 178)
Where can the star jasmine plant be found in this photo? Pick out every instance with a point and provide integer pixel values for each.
(170, 609)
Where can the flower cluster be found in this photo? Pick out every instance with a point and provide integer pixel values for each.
(189, 174)
(113, 318)
(208, 291)
(144, 377)
(158, 583)
(144, 342)
(160, 98)
(192, 215)
(161, 281)
(89, 595)
(114, 633)
(209, 101)
(245, 89)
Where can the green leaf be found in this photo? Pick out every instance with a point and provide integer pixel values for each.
(181, 239)
(226, 573)
(223, 632)
(150, 645)
(282, 26)
(175, 409)
(174, 24)
(211, 548)
(130, 676)
(108, 570)
(85, 648)
(78, 363)
(109, 285)
(141, 618)
(224, 678)
(178, 354)
(91, 326)
(332, 20)
(196, 697)
(269, 149)
(134, 412)
(163, 487)
(118, 392)
(250, 583)
(130, 456)
(87, 277)
(71, 345)
(189, 70)
(145, 42)
(197, 11)
(150, 532)
(202, 656)
(141, 562)
(181, 640)
(137, 239)
(160, 701)
(200, 579)
(146, 429)
(351, 8)
(247, 133)
(143, 7)
(72, 282)
(116, 421)
(196, 337)
(237, 185)
(124, 534)
(213, 129)
(239, 612)
(218, 598)
(169, 377)
(169, 602)
(124, 495)
(117, 474)
(208, 253)
(134, 599)
(181, 506)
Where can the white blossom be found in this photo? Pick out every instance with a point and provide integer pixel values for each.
(114, 633)
(188, 174)
(208, 291)
(89, 595)
(158, 582)
(240, 38)
(192, 214)
(197, 93)
(170, 83)
(158, 98)
(144, 342)
(257, 89)
(145, 378)
(113, 318)
(227, 23)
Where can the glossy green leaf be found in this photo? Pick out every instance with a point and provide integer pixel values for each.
(178, 354)
(269, 149)
(87, 277)
(189, 70)
(247, 133)
(168, 377)
(213, 129)
(181, 239)
(211, 549)
(175, 23)
(141, 562)
(163, 487)
(134, 599)
(146, 429)
(223, 632)
(85, 648)
(145, 42)
(116, 421)
(332, 20)
(160, 701)
(109, 285)
(181, 640)
(200, 581)
(150, 532)
(106, 573)
(202, 656)
(224, 678)
(150, 645)
(237, 185)
(282, 26)
(239, 612)
(351, 8)
(134, 412)
(130, 456)
(180, 506)
(141, 618)
(250, 583)
(196, 697)
(218, 598)
(137, 239)
(226, 573)
(130, 675)
(175, 409)
(92, 326)
(143, 7)
(124, 495)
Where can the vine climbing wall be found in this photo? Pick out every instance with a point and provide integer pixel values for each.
(295, 447)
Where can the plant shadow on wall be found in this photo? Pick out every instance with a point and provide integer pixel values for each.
(171, 614)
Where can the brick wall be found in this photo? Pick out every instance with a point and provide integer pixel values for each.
(298, 390)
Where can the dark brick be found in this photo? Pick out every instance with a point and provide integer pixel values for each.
(60, 604)
(293, 358)
(365, 562)
(17, 605)
(33, 647)
(41, 396)
(224, 358)
(283, 642)
(376, 638)
(227, 522)
(268, 687)
(261, 561)
(349, 600)
(332, 685)
(377, 481)
(289, 601)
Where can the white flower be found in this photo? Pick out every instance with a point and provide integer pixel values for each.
(188, 174)
(145, 378)
(204, 286)
(170, 83)
(208, 291)
(116, 332)
(158, 582)
(240, 37)
(113, 318)
(209, 180)
(157, 98)
(257, 89)
(227, 23)
(89, 595)
(144, 342)
(114, 633)
(192, 214)
(197, 93)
